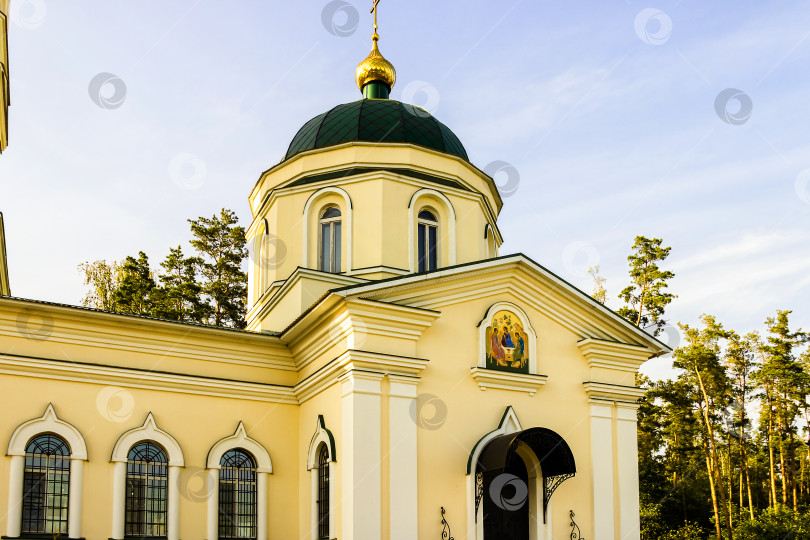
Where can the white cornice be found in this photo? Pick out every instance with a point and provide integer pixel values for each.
(265, 305)
(149, 380)
(354, 318)
(599, 391)
(504, 380)
(118, 332)
(613, 355)
(354, 360)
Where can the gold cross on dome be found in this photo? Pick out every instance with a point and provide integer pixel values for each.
(374, 11)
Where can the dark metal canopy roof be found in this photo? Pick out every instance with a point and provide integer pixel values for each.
(376, 120)
(556, 458)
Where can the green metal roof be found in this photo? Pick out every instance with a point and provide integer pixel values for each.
(376, 120)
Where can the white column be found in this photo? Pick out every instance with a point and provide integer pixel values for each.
(627, 450)
(213, 504)
(75, 499)
(15, 493)
(174, 503)
(602, 470)
(313, 495)
(361, 453)
(261, 501)
(118, 499)
(402, 459)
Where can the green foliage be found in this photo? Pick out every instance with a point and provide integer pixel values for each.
(775, 523)
(645, 298)
(135, 286)
(102, 278)
(221, 244)
(209, 287)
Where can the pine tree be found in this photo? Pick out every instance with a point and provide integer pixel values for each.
(135, 287)
(179, 296)
(221, 244)
(645, 298)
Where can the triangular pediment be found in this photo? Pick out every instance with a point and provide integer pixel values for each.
(517, 279)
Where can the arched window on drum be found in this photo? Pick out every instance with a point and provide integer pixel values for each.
(427, 241)
(330, 240)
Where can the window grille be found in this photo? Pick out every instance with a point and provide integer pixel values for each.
(46, 483)
(147, 485)
(323, 493)
(237, 495)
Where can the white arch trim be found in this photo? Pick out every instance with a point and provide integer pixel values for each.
(524, 321)
(331, 190)
(509, 424)
(451, 225)
(47, 423)
(240, 439)
(264, 467)
(321, 436)
(148, 432)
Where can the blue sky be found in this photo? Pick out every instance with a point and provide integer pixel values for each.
(606, 110)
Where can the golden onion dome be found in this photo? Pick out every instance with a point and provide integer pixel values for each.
(375, 68)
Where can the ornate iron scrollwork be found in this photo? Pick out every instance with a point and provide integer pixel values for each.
(479, 492)
(446, 535)
(576, 534)
(551, 483)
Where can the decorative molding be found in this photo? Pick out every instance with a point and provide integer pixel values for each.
(75, 325)
(613, 355)
(599, 391)
(148, 432)
(278, 290)
(49, 422)
(353, 360)
(504, 380)
(321, 436)
(150, 380)
(241, 440)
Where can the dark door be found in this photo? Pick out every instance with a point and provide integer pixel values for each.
(506, 502)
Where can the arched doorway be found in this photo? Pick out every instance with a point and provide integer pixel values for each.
(516, 474)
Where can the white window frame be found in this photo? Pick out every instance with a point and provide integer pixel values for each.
(322, 437)
(333, 268)
(264, 467)
(443, 209)
(49, 422)
(309, 219)
(434, 223)
(149, 431)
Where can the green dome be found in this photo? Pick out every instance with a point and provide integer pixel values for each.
(376, 120)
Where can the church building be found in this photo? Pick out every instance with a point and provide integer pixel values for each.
(398, 378)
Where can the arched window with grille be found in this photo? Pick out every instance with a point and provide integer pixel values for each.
(330, 240)
(323, 492)
(427, 239)
(46, 484)
(237, 495)
(147, 490)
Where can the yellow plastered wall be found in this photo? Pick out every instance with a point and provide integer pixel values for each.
(451, 345)
(196, 422)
